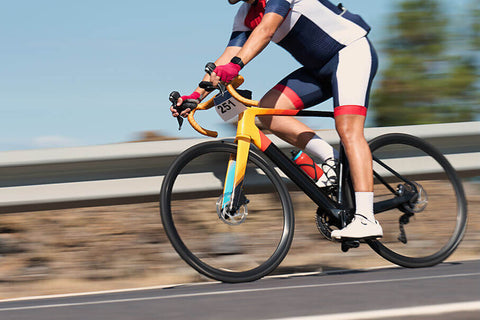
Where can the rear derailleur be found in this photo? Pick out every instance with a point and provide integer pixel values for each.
(418, 201)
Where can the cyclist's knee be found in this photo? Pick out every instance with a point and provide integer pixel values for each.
(351, 138)
(350, 128)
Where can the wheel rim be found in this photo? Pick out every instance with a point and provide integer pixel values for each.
(241, 251)
(435, 231)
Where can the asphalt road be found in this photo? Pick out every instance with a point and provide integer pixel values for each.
(447, 291)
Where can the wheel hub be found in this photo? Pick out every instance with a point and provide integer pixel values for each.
(419, 200)
(234, 217)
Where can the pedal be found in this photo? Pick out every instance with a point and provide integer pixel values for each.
(349, 244)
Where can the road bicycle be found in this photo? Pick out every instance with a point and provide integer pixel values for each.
(226, 207)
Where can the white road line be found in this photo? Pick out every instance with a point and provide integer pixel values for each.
(88, 293)
(226, 292)
(92, 293)
(397, 312)
(159, 287)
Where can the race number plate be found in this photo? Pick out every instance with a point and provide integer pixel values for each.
(227, 106)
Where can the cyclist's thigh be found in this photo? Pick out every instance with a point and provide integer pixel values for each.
(356, 67)
(298, 90)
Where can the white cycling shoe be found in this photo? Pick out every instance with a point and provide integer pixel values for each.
(359, 228)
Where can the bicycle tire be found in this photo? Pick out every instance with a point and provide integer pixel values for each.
(250, 235)
(434, 232)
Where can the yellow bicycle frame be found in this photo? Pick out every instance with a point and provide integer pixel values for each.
(247, 132)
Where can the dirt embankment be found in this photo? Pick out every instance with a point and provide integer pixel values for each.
(102, 248)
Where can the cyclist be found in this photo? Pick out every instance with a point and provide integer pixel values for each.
(337, 61)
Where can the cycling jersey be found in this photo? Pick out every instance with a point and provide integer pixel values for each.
(313, 30)
(330, 42)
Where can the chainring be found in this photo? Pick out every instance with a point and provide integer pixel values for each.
(324, 225)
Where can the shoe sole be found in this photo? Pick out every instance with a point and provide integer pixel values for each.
(377, 237)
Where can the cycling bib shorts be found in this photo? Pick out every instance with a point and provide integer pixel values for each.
(331, 44)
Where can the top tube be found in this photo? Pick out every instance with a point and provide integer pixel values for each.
(231, 87)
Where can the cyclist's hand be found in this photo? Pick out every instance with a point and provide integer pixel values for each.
(185, 104)
(225, 73)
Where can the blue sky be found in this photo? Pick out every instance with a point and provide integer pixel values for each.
(98, 72)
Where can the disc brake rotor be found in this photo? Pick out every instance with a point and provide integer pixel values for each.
(418, 204)
(231, 218)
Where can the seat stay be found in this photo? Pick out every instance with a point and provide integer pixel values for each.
(397, 200)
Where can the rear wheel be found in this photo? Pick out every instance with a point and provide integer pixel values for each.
(244, 246)
(428, 228)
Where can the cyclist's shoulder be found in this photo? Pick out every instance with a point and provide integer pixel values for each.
(238, 21)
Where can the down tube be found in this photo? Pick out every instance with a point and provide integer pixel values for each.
(300, 178)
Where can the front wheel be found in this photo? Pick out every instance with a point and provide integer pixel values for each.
(427, 228)
(244, 247)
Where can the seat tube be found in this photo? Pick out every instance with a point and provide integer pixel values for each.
(346, 196)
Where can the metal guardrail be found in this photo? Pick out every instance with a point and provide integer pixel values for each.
(132, 172)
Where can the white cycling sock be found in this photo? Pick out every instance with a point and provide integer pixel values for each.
(364, 204)
(319, 148)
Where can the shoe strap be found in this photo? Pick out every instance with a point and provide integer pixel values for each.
(361, 215)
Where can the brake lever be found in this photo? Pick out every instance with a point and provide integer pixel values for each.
(207, 86)
(222, 88)
(174, 96)
(209, 69)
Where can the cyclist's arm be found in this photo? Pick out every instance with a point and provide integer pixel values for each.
(227, 55)
(260, 36)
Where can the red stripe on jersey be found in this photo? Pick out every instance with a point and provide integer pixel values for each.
(291, 95)
(255, 14)
(358, 110)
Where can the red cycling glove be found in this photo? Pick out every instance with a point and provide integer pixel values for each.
(227, 72)
(194, 96)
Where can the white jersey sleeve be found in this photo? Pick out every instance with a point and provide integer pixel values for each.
(240, 31)
(239, 21)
